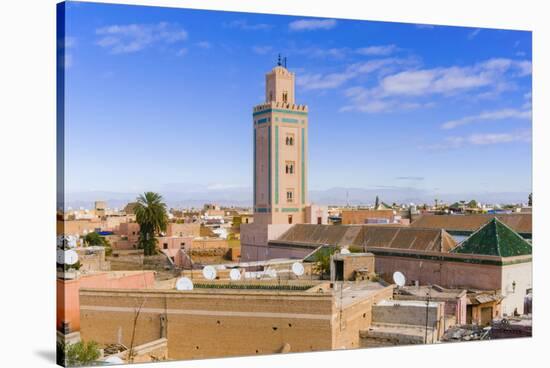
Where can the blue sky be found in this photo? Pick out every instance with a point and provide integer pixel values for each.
(160, 98)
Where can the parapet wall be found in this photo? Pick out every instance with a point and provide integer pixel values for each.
(280, 105)
(221, 323)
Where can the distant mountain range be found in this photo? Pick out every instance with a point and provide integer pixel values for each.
(196, 196)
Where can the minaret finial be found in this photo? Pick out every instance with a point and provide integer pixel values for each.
(279, 60)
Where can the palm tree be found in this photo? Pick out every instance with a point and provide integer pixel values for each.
(152, 219)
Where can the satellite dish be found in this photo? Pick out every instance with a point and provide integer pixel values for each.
(71, 241)
(399, 278)
(298, 268)
(235, 274)
(70, 257)
(209, 272)
(114, 360)
(345, 251)
(184, 284)
(60, 256)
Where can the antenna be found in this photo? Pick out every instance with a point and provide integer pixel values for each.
(209, 272)
(184, 284)
(235, 274)
(284, 62)
(298, 268)
(399, 279)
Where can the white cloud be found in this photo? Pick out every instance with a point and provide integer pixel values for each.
(204, 44)
(311, 24)
(488, 116)
(136, 37)
(68, 61)
(182, 52)
(337, 79)
(244, 25)
(482, 139)
(401, 84)
(262, 50)
(450, 80)
(70, 42)
(377, 50)
(473, 34)
(424, 26)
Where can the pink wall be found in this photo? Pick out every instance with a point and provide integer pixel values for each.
(68, 305)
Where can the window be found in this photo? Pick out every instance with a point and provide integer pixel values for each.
(290, 219)
(289, 167)
(182, 245)
(319, 220)
(289, 195)
(289, 140)
(285, 96)
(165, 245)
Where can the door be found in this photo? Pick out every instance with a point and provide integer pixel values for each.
(486, 316)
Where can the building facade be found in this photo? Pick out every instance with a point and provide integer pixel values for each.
(280, 152)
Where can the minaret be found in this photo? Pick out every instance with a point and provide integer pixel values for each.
(280, 152)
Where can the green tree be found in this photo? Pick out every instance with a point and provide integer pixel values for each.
(530, 200)
(322, 260)
(151, 216)
(94, 239)
(376, 203)
(80, 353)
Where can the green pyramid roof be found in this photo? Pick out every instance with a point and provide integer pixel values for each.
(495, 239)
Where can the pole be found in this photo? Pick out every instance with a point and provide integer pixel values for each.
(427, 311)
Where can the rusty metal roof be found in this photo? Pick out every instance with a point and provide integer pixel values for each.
(369, 236)
(519, 222)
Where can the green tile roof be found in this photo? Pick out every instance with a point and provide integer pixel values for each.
(495, 239)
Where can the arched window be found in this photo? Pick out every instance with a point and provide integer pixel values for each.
(285, 97)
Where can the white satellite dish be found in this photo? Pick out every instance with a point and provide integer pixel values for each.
(114, 360)
(209, 272)
(235, 274)
(70, 257)
(184, 283)
(71, 241)
(298, 268)
(60, 256)
(399, 278)
(345, 251)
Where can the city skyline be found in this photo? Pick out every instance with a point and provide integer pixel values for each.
(387, 110)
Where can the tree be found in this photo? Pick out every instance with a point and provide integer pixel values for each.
(94, 239)
(376, 203)
(80, 353)
(530, 200)
(322, 260)
(152, 219)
